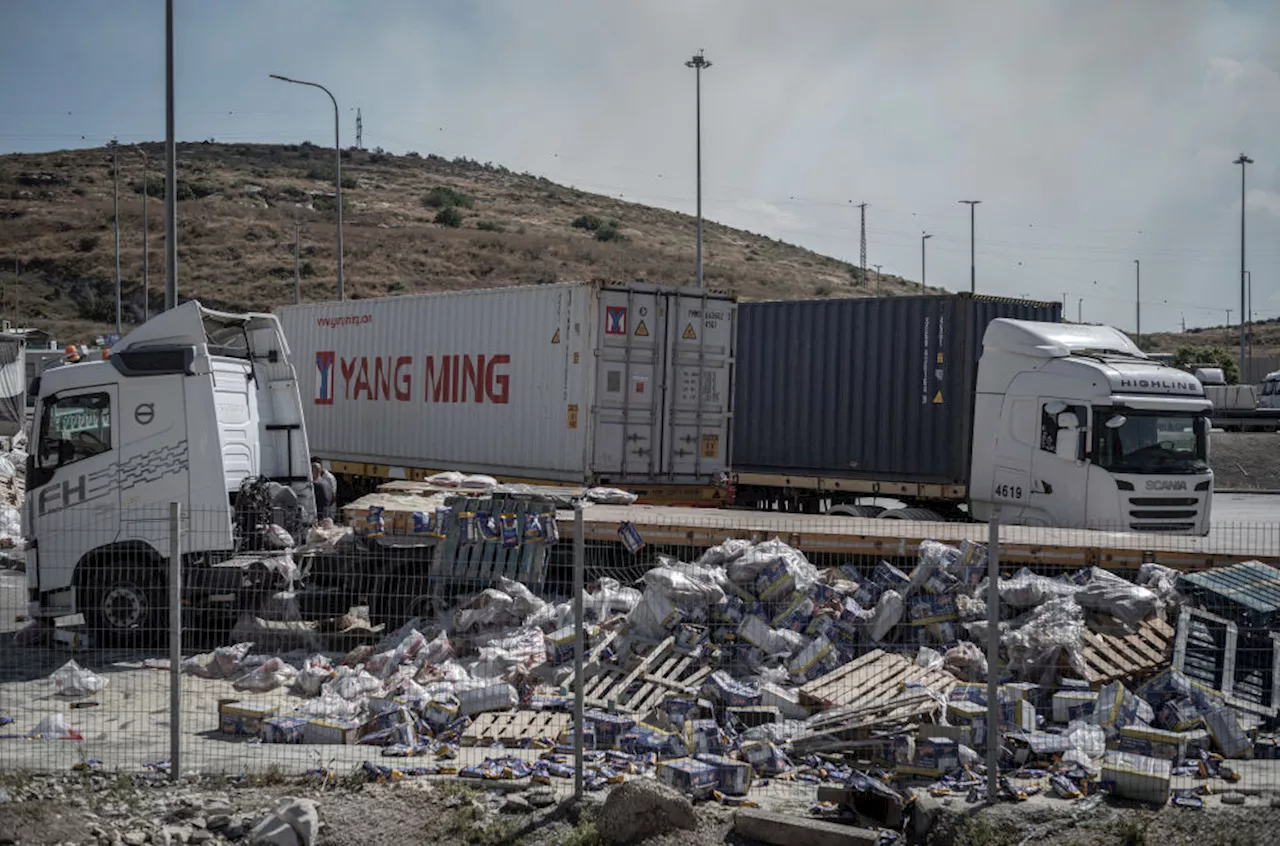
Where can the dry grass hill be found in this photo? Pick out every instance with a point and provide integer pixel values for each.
(412, 223)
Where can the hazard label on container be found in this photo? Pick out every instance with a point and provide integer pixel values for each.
(710, 446)
(555, 339)
(642, 331)
(615, 320)
(937, 398)
(689, 334)
(939, 358)
(571, 420)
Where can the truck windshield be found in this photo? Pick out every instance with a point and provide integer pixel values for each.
(1132, 441)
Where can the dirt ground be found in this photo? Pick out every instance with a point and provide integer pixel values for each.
(1245, 461)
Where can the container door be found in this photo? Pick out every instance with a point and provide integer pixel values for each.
(628, 394)
(699, 360)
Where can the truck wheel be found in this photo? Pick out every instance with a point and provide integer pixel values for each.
(920, 514)
(855, 511)
(124, 606)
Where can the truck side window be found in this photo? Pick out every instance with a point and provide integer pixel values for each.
(74, 428)
(1049, 425)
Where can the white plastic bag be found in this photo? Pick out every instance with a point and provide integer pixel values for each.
(385, 663)
(478, 482)
(1050, 634)
(1128, 603)
(609, 598)
(491, 609)
(682, 589)
(1027, 590)
(929, 659)
(278, 538)
(228, 660)
(352, 685)
(448, 479)
(524, 603)
(610, 496)
(72, 680)
(887, 614)
(54, 727)
(748, 567)
(966, 662)
(274, 673)
(719, 556)
(314, 673)
(1088, 740)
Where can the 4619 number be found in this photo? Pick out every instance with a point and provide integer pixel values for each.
(1009, 491)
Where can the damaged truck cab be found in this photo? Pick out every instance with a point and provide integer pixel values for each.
(1074, 426)
(196, 407)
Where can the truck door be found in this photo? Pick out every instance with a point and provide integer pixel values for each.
(1059, 475)
(629, 393)
(73, 493)
(698, 366)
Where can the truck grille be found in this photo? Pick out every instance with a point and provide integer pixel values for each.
(1163, 513)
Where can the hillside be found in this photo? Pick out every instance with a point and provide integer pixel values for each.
(237, 206)
(1266, 339)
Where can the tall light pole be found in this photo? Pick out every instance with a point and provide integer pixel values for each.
(1248, 321)
(115, 203)
(1079, 309)
(337, 169)
(973, 277)
(146, 255)
(170, 170)
(924, 236)
(1243, 160)
(699, 64)
(1137, 296)
(877, 267)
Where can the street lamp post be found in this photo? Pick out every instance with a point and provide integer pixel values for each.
(924, 236)
(1242, 160)
(973, 278)
(337, 168)
(699, 64)
(115, 204)
(170, 172)
(1137, 296)
(1248, 279)
(877, 267)
(146, 256)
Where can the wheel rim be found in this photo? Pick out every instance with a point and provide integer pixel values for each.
(124, 606)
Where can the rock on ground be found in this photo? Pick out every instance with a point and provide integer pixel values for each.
(294, 822)
(643, 808)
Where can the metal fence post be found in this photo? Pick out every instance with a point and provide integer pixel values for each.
(993, 656)
(579, 682)
(175, 640)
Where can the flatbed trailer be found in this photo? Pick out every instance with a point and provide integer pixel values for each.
(830, 538)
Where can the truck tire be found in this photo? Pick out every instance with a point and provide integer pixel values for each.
(124, 605)
(920, 514)
(871, 511)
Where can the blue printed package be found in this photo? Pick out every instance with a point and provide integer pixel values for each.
(756, 632)
(1071, 705)
(868, 592)
(814, 660)
(932, 756)
(510, 528)
(823, 624)
(560, 645)
(689, 776)
(332, 732)
(567, 737)
(532, 528)
(644, 739)
(931, 608)
(1118, 707)
(243, 718)
(1228, 735)
(766, 758)
(940, 582)
(609, 728)
(888, 577)
(423, 522)
(488, 526)
(443, 522)
(689, 637)
(705, 737)
(1152, 742)
(733, 777)
(730, 612)
(441, 709)
(679, 709)
(776, 581)
(284, 729)
(398, 735)
(971, 567)
(796, 615)
(550, 528)
(728, 691)
(825, 595)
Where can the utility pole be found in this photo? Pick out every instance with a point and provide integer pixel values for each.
(699, 64)
(297, 264)
(973, 276)
(359, 131)
(1079, 309)
(115, 202)
(146, 255)
(1248, 320)
(862, 263)
(924, 236)
(337, 168)
(170, 170)
(1137, 296)
(1064, 302)
(877, 267)
(1243, 160)
(1184, 323)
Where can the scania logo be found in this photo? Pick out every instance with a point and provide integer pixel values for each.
(1165, 485)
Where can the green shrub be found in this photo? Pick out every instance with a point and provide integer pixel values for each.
(349, 183)
(443, 196)
(87, 243)
(589, 222)
(610, 232)
(449, 216)
(490, 226)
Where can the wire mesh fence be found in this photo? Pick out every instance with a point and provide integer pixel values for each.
(729, 654)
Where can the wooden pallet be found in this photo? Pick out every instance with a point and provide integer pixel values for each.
(873, 677)
(663, 671)
(1110, 658)
(515, 728)
(1240, 663)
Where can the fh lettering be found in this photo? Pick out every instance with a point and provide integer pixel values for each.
(452, 378)
(76, 491)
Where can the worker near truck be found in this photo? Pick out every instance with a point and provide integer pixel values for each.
(326, 488)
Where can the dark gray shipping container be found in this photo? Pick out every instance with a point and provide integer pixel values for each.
(877, 389)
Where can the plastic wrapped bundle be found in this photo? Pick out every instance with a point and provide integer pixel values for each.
(1051, 635)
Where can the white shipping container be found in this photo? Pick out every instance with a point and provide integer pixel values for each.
(580, 383)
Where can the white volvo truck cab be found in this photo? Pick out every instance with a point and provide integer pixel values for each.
(1075, 427)
(196, 407)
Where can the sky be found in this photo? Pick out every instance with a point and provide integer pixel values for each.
(1094, 133)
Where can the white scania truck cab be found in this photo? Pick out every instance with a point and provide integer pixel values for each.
(1075, 427)
(196, 407)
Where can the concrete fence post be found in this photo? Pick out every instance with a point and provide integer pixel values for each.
(579, 638)
(175, 641)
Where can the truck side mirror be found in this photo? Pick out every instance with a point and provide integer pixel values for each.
(1067, 446)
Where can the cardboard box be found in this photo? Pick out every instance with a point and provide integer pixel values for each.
(1152, 742)
(332, 732)
(728, 691)
(1117, 708)
(645, 739)
(786, 701)
(766, 758)
(797, 615)
(705, 737)
(1228, 735)
(732, 777)
(560, 645)
(242, 718)
(749, 718)
(888, 577)
(775, 582)
(689, 776)
(755, 631)
(932, 756)
(1136, 777)
(1071, 705)
(927, 608)
(965, 712)
(609, 728)
(284, 730)
(814, 660)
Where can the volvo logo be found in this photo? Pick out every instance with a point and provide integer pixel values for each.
(1165, 485)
